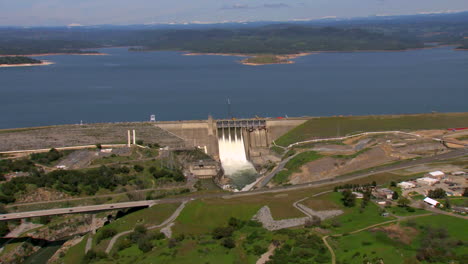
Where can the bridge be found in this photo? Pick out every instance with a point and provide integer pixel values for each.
(76, 210)
(243, 123)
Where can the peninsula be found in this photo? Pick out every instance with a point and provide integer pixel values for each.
(20, 61)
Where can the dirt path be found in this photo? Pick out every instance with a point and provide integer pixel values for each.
(332, 252)
(166, 222)
(266, 256)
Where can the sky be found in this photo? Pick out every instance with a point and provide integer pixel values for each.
(125, 12)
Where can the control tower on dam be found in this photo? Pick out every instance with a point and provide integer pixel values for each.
(257, 134)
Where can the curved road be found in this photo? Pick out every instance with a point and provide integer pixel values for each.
(338, 180)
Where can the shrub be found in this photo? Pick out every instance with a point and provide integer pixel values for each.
(259, 250)
(222, 232)
(138, 168)
(144, 244)
(123, 244)
(106, 233)
(228, 243)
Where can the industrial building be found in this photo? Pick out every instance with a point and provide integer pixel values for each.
(383, 193)
(406, 185)
(436, 175)
(431, 202)
(427, 181)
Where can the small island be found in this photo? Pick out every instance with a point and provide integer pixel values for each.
(20, 61)
(271, 59)
(265, 59)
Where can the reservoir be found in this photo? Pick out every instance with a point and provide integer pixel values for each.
(130, 86)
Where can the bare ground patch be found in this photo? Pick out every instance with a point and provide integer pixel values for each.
(399, 233)
(330, 167)
(76, 135)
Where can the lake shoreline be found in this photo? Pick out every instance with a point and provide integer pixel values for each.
(287, 58)
(43, 63)
(55, 54)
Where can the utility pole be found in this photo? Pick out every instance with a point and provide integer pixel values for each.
(229, 108)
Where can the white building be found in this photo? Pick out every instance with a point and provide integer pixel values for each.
(458, 173)
(436, 175)
(431, 202)
(427, 181)
(358, 195)
(406, 185)
(383, 193)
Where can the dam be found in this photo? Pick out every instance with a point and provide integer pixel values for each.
(239, 145)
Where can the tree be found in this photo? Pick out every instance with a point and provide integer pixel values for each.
(144, 244)
(392, 184)
(106, 233)
(437, 193)
(222, 232)
(235, 223)
(395, 196)
(98, 146)
(349, 199)
(374, 183)
(403, 202)
(3, 209)
(465, 192)
(228, 243)
(4, 228)
(447, 203)
(138, 168)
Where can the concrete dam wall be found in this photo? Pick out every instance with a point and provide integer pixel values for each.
(257, 134)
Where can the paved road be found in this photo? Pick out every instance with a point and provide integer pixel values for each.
(75, 210)
(100, 196)
(339, 180)
(397, 166)
(171, 218)
(278, 168)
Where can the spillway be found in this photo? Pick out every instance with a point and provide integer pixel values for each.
(234, 159)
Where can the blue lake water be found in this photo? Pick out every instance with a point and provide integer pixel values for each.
(130, 86)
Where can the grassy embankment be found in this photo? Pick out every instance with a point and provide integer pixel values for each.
(341, 126)
(400, 245)
(294, 165)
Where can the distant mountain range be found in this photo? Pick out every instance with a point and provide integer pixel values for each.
(449, 17)
(369, 33)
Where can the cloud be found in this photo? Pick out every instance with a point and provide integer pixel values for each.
(244, 6)
(236, 6)
(277, 5)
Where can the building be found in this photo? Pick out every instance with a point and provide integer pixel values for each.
(458, 173)
(358, 195)
(427, 181)
(431, 202)
(436, 175)
(383, 193)
(460, 209)
(204, 169)
(406, 185)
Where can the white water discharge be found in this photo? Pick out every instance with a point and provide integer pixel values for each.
(234, 159)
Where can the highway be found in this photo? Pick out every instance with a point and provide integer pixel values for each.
(339, 180)
(75, 210)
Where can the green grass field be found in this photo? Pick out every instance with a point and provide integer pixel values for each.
(201, 248)
(148, 217)
(203, 216)
(76, 253)
(341, 126)
(353, 218)
(402, 211)
(396, 247)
